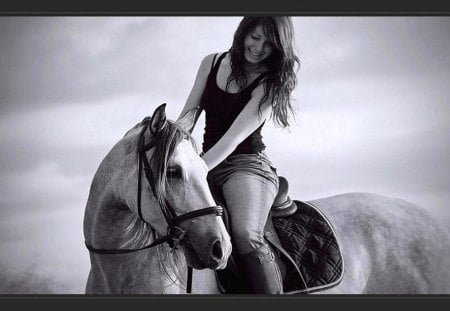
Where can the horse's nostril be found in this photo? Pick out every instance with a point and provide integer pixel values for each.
(216, 250)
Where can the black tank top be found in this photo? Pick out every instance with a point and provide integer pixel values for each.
(222, 108)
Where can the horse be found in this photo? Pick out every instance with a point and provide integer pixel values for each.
(389, 246)
(143, 230)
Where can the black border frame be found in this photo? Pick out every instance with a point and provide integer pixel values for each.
(228, 8)
(224, 7)
(240, 302)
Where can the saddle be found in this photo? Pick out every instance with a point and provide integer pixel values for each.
(304, 243)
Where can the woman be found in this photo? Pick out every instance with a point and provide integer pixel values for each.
(239, 90)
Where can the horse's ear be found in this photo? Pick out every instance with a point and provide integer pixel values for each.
(158, 119)
(188, 120)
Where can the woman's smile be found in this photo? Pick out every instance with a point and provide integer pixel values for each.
(256, 54)
(257, 47)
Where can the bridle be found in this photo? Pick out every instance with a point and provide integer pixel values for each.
(175, 234)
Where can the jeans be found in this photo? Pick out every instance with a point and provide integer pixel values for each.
(248, 183)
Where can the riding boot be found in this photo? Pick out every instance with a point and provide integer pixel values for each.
(261, 271)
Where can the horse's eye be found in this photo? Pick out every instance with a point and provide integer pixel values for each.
(174, 172)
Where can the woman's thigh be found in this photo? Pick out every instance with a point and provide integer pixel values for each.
(249, 198)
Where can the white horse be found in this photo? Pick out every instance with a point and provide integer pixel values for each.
(389, 246)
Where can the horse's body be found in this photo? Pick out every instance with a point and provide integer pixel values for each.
(389, 246)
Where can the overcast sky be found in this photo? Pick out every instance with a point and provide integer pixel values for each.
(372, 99)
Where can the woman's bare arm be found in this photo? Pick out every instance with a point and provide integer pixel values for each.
(193, 100)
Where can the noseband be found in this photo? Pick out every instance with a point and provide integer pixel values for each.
(175, 234)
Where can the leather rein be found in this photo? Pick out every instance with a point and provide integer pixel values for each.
(175, 234)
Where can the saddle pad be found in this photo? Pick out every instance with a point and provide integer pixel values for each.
(309, 238)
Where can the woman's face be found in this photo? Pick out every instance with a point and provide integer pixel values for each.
(256, 46)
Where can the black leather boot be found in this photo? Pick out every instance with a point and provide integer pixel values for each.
(261, 271)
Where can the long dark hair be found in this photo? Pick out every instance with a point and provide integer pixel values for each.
(281, 76)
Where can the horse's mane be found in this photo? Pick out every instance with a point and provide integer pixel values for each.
(140, 233)
(168, 139)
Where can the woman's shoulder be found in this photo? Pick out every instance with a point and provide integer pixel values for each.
(211, 59)
(207, 64)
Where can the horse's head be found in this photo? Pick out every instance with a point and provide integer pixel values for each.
(174, 194)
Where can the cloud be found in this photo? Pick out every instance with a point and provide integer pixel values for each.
(336, 47)
(409, 165)
(48, 60)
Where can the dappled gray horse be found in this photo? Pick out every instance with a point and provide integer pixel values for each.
(389, 246)
(150, 212)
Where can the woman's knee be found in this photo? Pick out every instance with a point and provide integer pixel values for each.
(246, 240)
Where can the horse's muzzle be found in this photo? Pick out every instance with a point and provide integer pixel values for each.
(218, 255)
(213, 256)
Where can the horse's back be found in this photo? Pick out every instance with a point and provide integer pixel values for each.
(389, 245)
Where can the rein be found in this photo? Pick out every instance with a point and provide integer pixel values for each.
(175, 234)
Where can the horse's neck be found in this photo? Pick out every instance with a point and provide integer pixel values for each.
(107, 204)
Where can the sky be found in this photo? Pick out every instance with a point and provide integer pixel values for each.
(372, 105)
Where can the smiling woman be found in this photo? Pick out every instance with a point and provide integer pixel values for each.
(239, 90)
